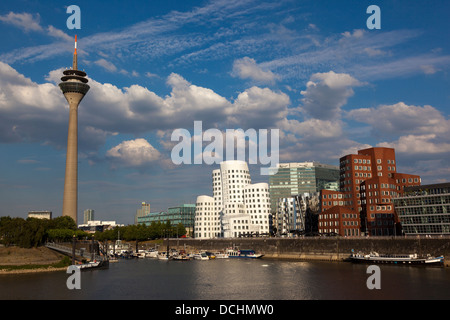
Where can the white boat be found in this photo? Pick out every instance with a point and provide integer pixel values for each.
(119, 247)
(200, 256)
(181, 257)
(164, 256)
(404, 259)
(221, 255)
(243, 253)
(151, 254)
(94, 265)
(140, 254)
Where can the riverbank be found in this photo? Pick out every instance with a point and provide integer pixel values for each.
(15, 260)
(322, 248)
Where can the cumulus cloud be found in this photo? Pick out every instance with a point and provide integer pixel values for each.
(411, 130)
(400, 118)
(39, 113)
(313, 129)
(134, 153)
(247, 68)
(326, 93)
(428, 144)
(258, 108)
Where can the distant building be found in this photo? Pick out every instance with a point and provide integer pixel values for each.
(424, 210)
(40, 214)
(184, 214)
(368, 182)
(100, 226)
(141, 212)
(88, 215)
(297, 178)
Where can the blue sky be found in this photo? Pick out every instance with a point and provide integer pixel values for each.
(311, 69)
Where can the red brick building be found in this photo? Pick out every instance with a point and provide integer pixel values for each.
(368, 181)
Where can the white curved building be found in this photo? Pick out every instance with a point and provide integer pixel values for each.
(239, 208)
(206, 218)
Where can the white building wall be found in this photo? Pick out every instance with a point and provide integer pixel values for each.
(239, 208)
(204, 218)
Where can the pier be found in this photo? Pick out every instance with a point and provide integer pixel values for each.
(80, 252)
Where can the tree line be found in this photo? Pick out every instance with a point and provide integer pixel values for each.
(142, 232)
(32, 232)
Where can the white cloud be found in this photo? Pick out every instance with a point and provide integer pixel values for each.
(107, 65)
(247, 68)
(258, 108)
(326, 93)
(427, 144)
(57, 33)
(134, 153)
(400, 119)
(313, 129)
(374, 52)
(412, 130)
(24, 21)
(27, 22)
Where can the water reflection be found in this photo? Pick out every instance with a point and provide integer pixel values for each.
(230, 279)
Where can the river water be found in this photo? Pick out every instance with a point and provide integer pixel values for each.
(231, 279)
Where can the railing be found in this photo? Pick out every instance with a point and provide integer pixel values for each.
(69, 251)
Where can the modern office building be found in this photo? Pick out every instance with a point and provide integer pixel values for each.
(290, 215)
(368, 182)
(183, 214)
(40, 214)
(237, 208)
(142, 211)
(298, 178)
(297, 215)
(74, 87)
(424, 210)
(88, 215)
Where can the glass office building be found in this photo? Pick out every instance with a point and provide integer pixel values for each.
(293, 179)
(183, 214)
(424, 210)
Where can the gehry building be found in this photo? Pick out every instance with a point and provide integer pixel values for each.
(363, 206)
(237, 207)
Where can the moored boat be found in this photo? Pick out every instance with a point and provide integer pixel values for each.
(96, 264)
(164, 256)
(398, 259)
(181, 257)
(243, 253)
(200, 256)
(151, 254)
(221, 255)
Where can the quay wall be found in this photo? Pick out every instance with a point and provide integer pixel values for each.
(324, 249)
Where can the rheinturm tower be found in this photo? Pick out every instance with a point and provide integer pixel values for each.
(74, 87)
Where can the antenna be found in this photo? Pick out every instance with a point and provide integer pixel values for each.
(75, 57)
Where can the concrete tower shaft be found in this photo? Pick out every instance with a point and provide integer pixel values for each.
(74, 87)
